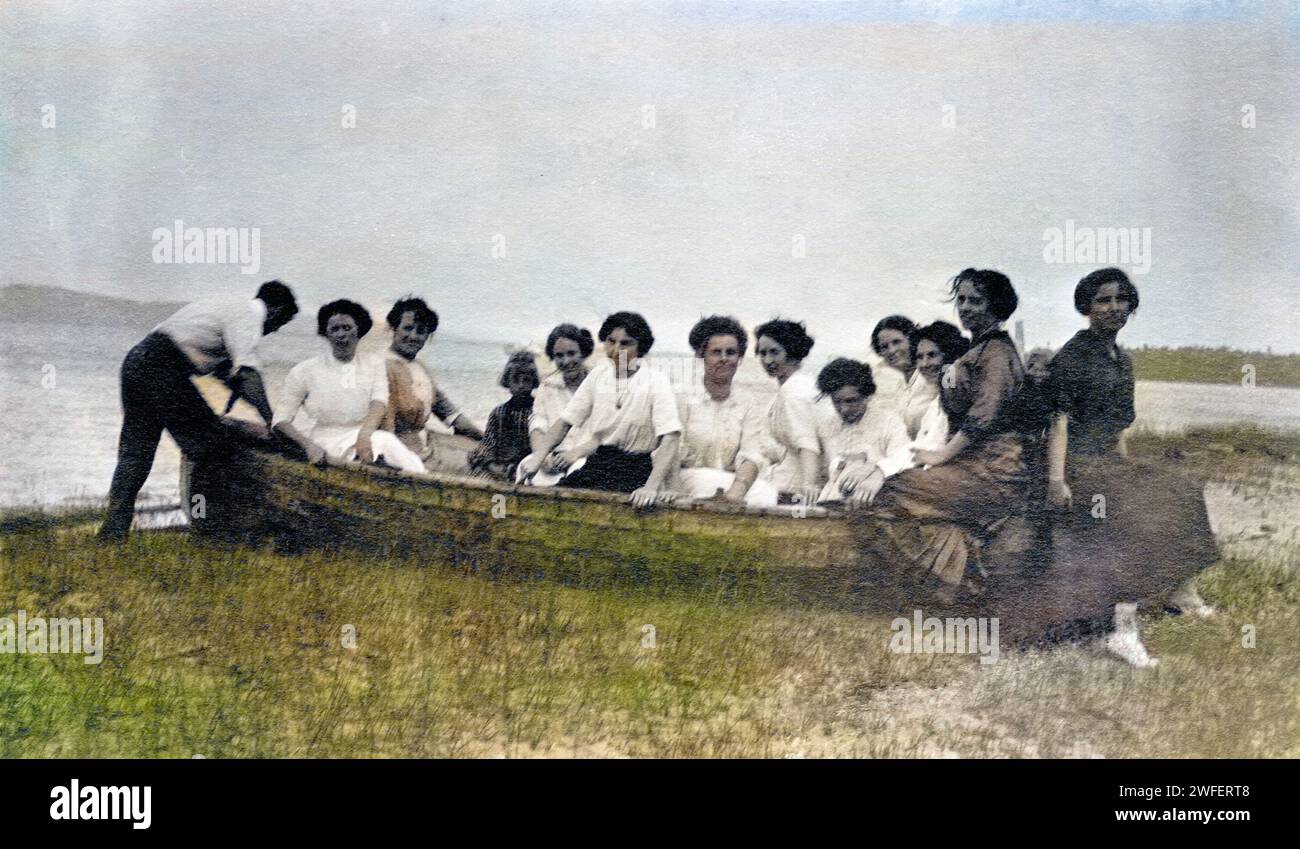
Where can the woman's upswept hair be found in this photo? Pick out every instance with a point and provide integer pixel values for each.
(1088, 286)
(424, 317)
(717, 325)
(344, 307)
(791, 335)
(578, 335)
(901, 323)
(993, 285)
(520, 362)
(841, 372)
(946, 337)
(634, 325)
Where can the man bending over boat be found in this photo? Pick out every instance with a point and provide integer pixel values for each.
(217, 336)
(346, 395)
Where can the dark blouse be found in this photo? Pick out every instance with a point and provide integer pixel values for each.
(505, 437)
(1095, 390)
(980, 389)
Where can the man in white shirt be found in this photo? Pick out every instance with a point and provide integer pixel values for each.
(218, 336)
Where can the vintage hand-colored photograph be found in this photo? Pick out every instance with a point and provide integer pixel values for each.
(694, 380)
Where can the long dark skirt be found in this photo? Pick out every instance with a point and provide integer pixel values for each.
(612, 469)
(939, 519)
(1137, 531)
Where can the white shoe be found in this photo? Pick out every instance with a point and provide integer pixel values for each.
(1128, 648)
(1189, 601)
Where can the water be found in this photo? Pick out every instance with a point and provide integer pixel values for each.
(60, 407)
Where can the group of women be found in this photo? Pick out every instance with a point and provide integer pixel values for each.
(972, 440)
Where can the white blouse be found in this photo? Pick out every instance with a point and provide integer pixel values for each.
(628, 412)
(878, 439)
(915, 399)
(549, 401)
(793, 416)
(720, 434)
(335, 395)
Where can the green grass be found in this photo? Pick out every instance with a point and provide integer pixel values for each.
(1214, 365)
(239, 653)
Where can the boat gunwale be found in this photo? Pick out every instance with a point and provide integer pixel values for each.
(383, 476)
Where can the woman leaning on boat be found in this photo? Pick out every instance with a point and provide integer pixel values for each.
(982, 472)
(722, 425)
(1130, 532)
(631, 414)
(346, 395)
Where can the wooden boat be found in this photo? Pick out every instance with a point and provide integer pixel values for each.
(804, 555)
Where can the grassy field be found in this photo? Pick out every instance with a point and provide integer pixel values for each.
(244, 653)
(1214, 365)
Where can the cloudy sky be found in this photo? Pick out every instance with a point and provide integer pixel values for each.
(519, 164)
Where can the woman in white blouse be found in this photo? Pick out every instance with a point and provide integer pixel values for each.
(631, 418)
(793, 445)
(868, 441)
(568, 347)
(345, 394)
(892, 340)
(935, 347)
(722, 427)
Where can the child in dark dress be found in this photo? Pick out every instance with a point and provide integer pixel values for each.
(505, 439)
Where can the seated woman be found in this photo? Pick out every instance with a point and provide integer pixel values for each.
(505, 442)
(981, 474)
(412, 393)
(892, 340)
(1155, 534)
(792, 444)
(722, 427)
(935, 347)
(631, 416)
(568, 347)
(867, 443)
(345, 394)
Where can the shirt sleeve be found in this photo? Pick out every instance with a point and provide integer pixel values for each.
(295, 392)
(993, 387)
(1063, 384)
(752, 436)
(240, 333)
(664, 414)
(801, 419)
(894, 444)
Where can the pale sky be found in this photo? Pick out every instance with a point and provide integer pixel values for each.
(897, 142)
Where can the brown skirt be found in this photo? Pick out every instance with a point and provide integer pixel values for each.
(939, 519)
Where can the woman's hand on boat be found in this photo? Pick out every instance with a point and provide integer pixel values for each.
(865, 492)
(559, 461)
(365, 453)
(648, 496)
(1059, 495)
(315, 454)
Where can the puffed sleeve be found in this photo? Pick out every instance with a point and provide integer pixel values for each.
(241, 331)
(995, 379)
(753, 436)
(664, 414)
(295, 392)
(378, 377)
(801, 421)
(894, 444)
